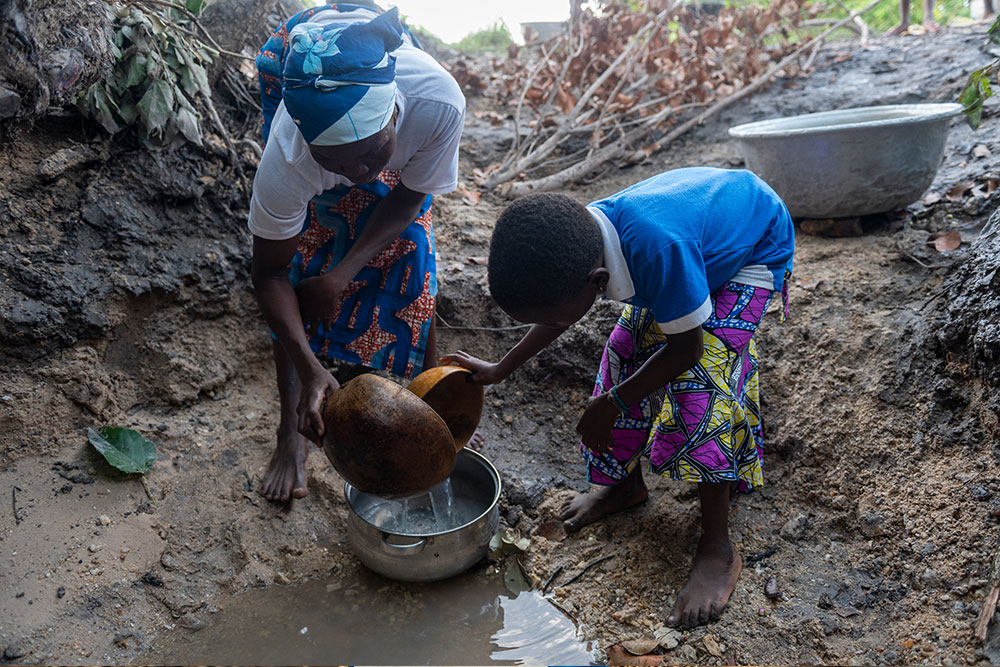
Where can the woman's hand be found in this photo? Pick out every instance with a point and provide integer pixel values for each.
(483, 372)
(319, 300)
(595, 425)
(316, 387)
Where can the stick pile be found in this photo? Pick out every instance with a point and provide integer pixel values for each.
(602, 91)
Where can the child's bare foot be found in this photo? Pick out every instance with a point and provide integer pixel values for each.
(713, 577)
(286, 473)
(585, 508)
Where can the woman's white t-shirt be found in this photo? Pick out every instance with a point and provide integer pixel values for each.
(428, 128)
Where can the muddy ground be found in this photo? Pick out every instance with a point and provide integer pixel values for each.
(125, 301)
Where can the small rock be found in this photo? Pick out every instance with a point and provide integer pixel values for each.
(15, 650)
(280, 578)
(771, 590)
(167, 561)
(795, 528)
(890, 657)
(104, 520)
(61, 592)
(872, 524)
(94, 548)
(336, 586)
(10, 102)
(712, 646)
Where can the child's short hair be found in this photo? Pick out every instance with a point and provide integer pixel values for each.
(543, 248)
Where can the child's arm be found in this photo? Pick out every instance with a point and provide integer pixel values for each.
(681, 352)
(483, 372)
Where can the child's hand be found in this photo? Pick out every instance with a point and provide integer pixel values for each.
(595, 425)
(483, 372)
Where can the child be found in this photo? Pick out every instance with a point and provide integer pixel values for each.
(696, 254)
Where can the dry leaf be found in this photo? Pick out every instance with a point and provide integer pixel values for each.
(553, 531)
(640, 646)
(932, 198)
(957, 192)
(946, 241)
(712, 646)
(565, 100)
(469, 197)
(808, 283)
(617, 655)
(981, 151)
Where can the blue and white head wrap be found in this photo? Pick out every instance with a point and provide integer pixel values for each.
(339, 79)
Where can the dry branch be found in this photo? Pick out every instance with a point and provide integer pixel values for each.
(992, 596)
(623, 147)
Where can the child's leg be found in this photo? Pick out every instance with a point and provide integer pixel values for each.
(286, 473)
(716, 564)
(626, 350)
(584, 508)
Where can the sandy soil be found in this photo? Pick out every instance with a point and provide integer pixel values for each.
(125, 301)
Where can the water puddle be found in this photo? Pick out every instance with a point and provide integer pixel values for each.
(467, 620)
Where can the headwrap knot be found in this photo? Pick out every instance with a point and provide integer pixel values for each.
(339, 78)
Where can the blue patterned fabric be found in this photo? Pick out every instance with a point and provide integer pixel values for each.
(336, 79)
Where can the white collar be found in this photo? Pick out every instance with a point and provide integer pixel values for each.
(620, 287)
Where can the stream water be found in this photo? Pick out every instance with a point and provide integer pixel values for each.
(466, 620)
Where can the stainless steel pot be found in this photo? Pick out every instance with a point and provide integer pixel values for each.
(432, 556)
(851, 161)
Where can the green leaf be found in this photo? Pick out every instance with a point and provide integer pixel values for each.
(514, 579)
(156, 105)
(187, 123)
(102, 110)
(136, 70)
(994, 31)
(123, 448)
(195, 6)
(128, 112)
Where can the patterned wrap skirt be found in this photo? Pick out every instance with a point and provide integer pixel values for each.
(385, 315)
(703, 426)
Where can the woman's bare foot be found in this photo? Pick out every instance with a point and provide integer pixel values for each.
(286, 473)
(713, 577)
(585, 508)
(476, 442)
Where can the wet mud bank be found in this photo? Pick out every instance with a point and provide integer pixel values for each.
(126, 301)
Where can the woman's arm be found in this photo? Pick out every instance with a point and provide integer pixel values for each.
(483, 372)
(278, 303)
(319, 297)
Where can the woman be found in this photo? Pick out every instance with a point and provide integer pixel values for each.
(361, 128)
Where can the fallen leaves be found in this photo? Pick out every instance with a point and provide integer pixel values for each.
(945, 241)
(640, 646)
(470, 197)
(619, 655)
(959, 190)
(553, 531)
(981, 151)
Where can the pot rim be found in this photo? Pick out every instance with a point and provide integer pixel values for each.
(465, 451)
(916, 113)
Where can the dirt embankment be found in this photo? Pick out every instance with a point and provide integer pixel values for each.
(125, 301)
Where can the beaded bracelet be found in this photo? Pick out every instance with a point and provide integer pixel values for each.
(617, 400)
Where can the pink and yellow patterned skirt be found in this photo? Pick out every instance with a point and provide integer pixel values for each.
(705, 425)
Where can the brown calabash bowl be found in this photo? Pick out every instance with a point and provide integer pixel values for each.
(454, 396)
(384, 440)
